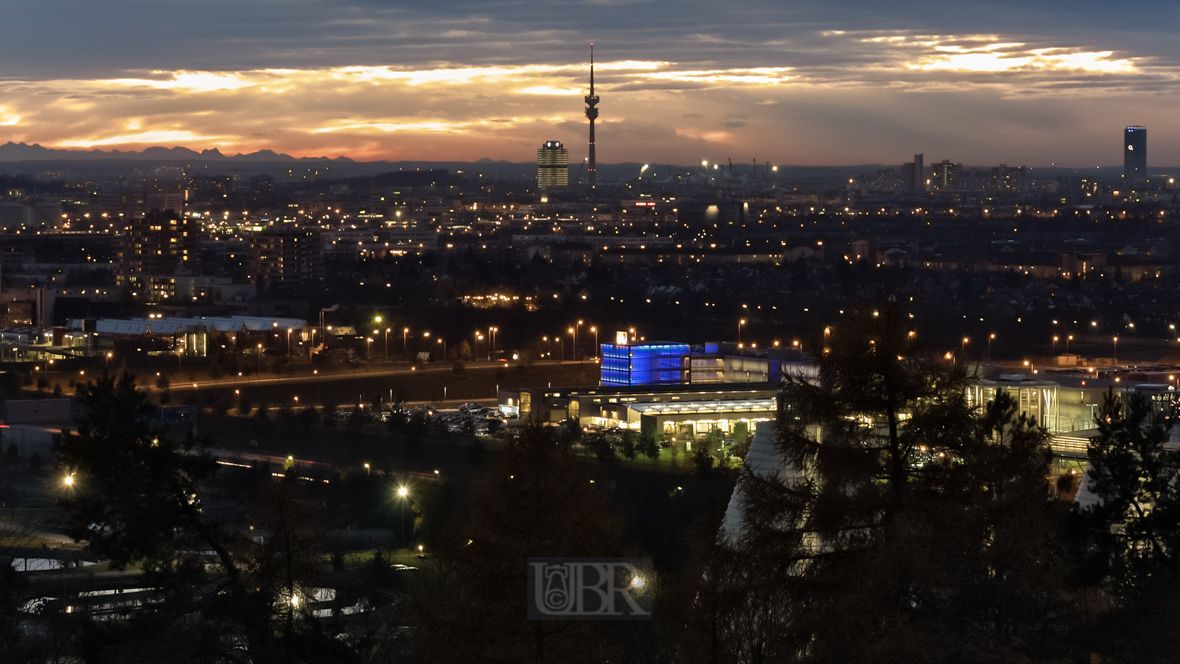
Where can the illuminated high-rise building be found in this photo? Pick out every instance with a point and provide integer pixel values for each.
(1135, 153)
(1007, 179)
(592, 115)
(281, 257)
(553, 161)
(944, 175)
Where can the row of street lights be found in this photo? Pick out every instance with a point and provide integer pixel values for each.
(573, 332)
(479, 336)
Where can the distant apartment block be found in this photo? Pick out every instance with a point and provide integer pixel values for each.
(154, 248)
(287, 257)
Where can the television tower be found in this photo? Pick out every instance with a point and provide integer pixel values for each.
(592, 114)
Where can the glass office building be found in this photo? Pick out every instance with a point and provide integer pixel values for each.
(645, 364)
(1135, 154)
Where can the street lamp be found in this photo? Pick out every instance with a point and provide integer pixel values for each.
(492, 333)
(574, 352)
(387, 331)
(1116, 350)
(259, 360)
(444, 345)
(405, 333)
(289, 331)
(597, 348)
(368, 346)
(576, 340)
(403, 494)
(991, 337)
(1067, 340)
(741, 322)
(1054, 345)
(963, 348)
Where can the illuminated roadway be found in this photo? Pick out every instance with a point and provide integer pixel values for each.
(438, 367)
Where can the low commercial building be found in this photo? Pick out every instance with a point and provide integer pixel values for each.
(681, 411)
(190, 336)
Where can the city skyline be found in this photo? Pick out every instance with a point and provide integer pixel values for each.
(990, 83)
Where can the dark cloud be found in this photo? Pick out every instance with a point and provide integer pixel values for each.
(99, 38)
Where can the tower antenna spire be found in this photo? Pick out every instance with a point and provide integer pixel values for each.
(592, 115)
(591, 68)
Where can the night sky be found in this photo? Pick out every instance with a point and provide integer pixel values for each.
(805, 82)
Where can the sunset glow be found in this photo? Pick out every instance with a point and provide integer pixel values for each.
(809, 96)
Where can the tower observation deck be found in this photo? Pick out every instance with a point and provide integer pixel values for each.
(592, 115)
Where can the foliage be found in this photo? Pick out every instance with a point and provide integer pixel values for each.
(1127, 543)
(627, 445)
(137, 498)
(1133, 528)
(16, 647)
(137, 488)
(905, 515)
(649, 446)
(470, 601)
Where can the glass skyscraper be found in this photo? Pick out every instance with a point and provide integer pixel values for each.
(1135, 154)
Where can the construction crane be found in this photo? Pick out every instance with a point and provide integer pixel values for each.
(578, 177)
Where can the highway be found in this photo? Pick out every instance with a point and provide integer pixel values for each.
(327, 377)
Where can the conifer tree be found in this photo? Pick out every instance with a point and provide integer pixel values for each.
(908, 521)
(1127, 543)
(470, 602)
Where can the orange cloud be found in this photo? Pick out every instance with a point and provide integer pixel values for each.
(653, 110)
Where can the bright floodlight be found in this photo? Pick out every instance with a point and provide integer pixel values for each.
(402, 491)
(69, 480)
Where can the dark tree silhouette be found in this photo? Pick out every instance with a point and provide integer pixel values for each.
(908, 524)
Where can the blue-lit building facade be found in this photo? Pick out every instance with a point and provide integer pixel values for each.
(646, 364)
(627, 364)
